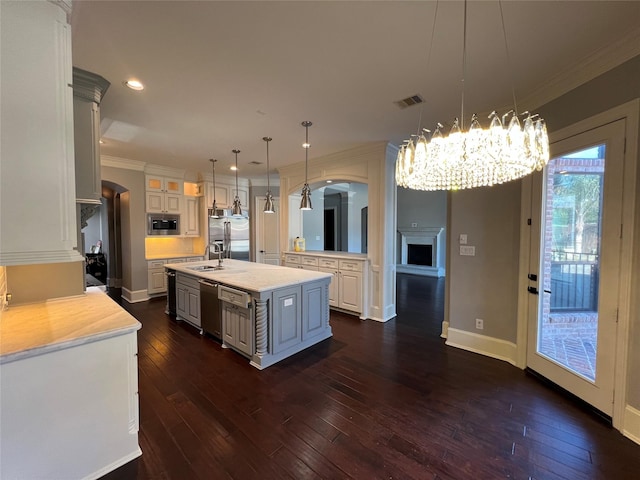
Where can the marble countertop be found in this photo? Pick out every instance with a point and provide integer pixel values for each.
(43, 327)
(250, 276)
(335, 254)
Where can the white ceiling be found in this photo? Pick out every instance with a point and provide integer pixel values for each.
(221, 75)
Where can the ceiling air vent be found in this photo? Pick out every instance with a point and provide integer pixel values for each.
(409, 101)
(255, 163)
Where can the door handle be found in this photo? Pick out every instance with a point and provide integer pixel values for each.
(532, 290)
(547, 291)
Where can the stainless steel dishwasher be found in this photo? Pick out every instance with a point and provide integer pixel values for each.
(210, 309)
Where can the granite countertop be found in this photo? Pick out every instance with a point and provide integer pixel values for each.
(332, 253)
(250, 276)
(43, 327)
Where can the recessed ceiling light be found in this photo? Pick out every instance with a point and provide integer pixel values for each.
(134, 84)
(233, 167)
(329, 181)
(101, 142)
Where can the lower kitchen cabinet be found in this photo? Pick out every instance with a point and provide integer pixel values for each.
(188, 299)
(287, 309)
(156, 278)
(237, 327)
(347, 288)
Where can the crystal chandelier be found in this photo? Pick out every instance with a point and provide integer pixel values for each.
(477, 157)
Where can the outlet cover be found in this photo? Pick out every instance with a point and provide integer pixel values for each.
(414, 224)
(463, 239)
(479, 324)
(468, 250)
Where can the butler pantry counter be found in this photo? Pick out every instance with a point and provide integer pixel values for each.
(69, 388)
(268, 312)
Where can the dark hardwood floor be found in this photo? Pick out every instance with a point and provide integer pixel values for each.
(376, 401)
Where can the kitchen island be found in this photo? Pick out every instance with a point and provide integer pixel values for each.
(69, 388)
(268, 312)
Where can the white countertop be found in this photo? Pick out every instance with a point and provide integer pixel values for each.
(250, 276)
(165, 256)
(37, 328)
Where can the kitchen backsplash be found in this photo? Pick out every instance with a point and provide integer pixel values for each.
(171, 246)
(3, 288)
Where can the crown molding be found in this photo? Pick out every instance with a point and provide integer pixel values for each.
(88, 85)
(164, 171)
(581, 71)
(125, 163)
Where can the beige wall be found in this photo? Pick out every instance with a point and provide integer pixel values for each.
(35, 283)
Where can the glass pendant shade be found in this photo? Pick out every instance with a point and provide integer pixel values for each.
(237, 208)
(305, 201)
(268, 204)
(213, 211)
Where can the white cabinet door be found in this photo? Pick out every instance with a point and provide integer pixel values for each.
(350, 291)
(156, 183)
(223, 193)
(156, 281)
(191, 220)
(193, 306)
(155, 202)
(333, 286)
(158, 202)
(182, 297)
(237, 328)
(172, 203)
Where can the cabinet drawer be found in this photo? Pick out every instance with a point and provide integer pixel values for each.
(156, 264)
(350, 266)
(292, 259)
(231, 295)
(309, 261)
(176, 260)
(187, 280)
(328, 262)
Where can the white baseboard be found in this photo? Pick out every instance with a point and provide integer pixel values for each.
(117, 464)
(445, 330)
(488, 346)
(631, 424)
(134, 296)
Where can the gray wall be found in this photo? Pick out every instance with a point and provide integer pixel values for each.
(134, 264)
(484, 286)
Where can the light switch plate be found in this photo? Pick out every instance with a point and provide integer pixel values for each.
(468, 250)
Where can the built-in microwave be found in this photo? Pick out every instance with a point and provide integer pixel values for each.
(163, 224)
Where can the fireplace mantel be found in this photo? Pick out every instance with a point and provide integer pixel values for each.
(423, 236)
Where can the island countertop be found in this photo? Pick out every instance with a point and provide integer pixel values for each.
(251, 276)
(33, 329)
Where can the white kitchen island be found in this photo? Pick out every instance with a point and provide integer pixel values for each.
(68, 388)
(268, 312)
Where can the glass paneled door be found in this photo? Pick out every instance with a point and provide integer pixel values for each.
(574, 298)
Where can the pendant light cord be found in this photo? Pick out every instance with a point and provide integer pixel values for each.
(506, 48)
(306, 155)
(464, 63)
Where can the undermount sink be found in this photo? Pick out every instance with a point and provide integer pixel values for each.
(202, 268)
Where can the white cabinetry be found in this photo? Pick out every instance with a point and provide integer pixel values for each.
(188, 299)
(346, 291)
(191, 219)
(156, 278)
(237, 322)
(38, 162)
(225, 194)
(163, 194)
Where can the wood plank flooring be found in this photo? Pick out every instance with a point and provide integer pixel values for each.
(376, 401)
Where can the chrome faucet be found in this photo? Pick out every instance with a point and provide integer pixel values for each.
(217, 248)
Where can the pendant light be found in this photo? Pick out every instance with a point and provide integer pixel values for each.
(305, 202)
(237, 209)
(213, 212)
(268, 205)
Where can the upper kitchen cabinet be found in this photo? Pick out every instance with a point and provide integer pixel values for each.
(164, 194)
(156, 183)
(226, 193)
(38, 165)
(88, 90)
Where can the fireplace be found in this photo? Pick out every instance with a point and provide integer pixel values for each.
(420, 255)
(422, 251)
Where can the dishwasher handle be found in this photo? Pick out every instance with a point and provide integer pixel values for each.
(170, 274)
(208, 284)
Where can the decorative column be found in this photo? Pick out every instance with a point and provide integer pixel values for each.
(262, 326)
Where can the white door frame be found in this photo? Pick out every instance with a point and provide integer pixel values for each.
(630, 112)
